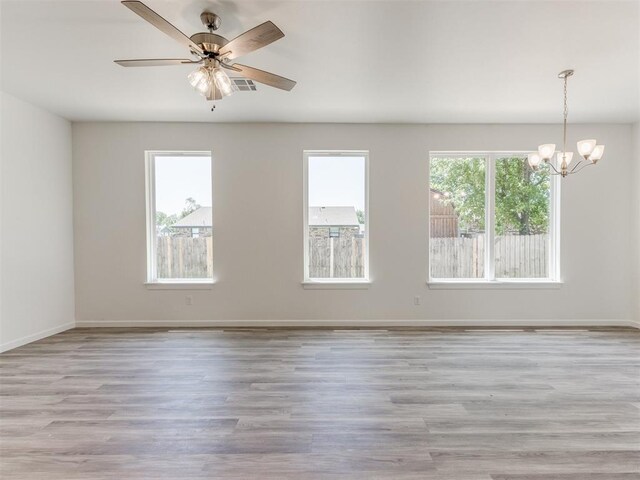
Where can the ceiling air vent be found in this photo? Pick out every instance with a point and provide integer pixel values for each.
(244, 84)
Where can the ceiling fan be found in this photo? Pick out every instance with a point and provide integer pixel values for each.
(213, 53)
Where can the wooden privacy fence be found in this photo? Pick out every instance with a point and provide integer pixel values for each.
(343, 257)
(457, 257)
(340, 257)
(525, 256)
(184, 257)
(515, 256)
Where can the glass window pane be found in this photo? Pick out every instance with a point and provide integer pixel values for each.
(522, 219)
(457, 217)
(183, 219)
(336, 216)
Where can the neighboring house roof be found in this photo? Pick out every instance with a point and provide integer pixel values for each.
(197, 219)
(333, 216)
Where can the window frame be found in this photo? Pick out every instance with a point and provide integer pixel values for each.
(553, 280)
(152, 280)
(323, 283)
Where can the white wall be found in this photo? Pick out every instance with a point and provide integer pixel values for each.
(36, 266)
(258, 225)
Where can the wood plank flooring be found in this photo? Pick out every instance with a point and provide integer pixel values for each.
(445, 404)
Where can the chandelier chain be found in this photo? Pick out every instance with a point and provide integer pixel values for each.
(566, 114)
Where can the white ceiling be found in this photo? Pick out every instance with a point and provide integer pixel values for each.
(355, 61)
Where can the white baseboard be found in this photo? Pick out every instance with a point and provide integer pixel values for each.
(36, 336)
(359, 323)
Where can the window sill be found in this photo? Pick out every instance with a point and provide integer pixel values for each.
(180, 285)
(336, 284)
(494, 284)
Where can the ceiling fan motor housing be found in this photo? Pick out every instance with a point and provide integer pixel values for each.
(209, 42)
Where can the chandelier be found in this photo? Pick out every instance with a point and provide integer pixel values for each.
(589, 152)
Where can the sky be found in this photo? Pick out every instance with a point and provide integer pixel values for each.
(178, 178)
(336, 182)
(333, 182)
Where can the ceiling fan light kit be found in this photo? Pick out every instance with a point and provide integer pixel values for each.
(212, 52)
(588, 150)
(211, 81)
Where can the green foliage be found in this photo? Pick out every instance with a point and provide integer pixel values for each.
(360, 215)
(522, 198)
(164, 220)
(522, 195)
(460, 182)
(190, 206)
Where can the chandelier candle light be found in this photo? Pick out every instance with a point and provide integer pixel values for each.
(587, 149)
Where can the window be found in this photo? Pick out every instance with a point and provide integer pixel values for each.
(336, 227)
(179, 217)
(491, 218)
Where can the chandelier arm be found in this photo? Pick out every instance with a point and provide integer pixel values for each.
(582, 168)
(575, 166)
(557, 172)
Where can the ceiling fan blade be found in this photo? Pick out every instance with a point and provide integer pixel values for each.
(267, 78)
(251, 40)
(161, 24)
(155, 62)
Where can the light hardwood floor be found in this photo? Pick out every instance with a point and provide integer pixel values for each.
(444, 404)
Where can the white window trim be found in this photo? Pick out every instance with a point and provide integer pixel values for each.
(152, 282)
(490, 281)
(515, 284)
(334, 283)
(330, 284)
(175, 284)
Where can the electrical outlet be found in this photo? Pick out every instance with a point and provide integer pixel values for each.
(416, 300)
(188, 300)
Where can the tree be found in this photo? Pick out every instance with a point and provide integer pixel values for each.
(360, 215)
(165, 221)
(521, 200)
(460, 182)
(190, 206)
